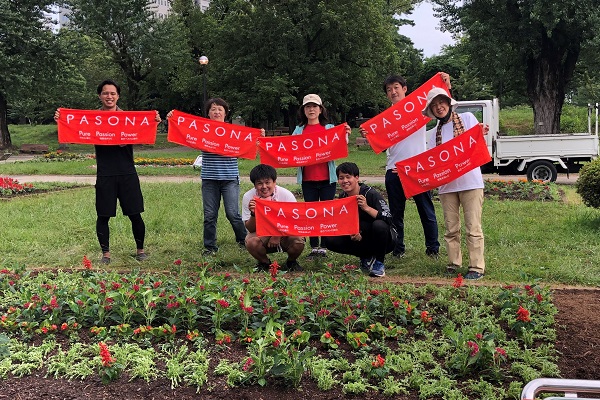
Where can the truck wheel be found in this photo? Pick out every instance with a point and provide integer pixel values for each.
(542, 170)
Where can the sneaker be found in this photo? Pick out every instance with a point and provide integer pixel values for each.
(451, 269)
(209, 252)
(473, 275)
(322, 252)
(314, 253)
(141, 256)
(377, 270)
(366, 264)
(104, 260)
(433, 254)
(398, 254)
(293, 266)
(263, 266)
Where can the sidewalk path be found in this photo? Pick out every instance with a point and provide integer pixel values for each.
(286, 180)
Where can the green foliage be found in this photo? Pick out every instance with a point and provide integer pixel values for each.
(588, 184)
(527, 47)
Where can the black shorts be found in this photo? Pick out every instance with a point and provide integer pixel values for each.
(126, 188)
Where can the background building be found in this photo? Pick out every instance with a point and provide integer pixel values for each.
(161, 9)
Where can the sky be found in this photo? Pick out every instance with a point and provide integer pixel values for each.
(426, 34)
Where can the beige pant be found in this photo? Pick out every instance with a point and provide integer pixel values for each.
(472, 204)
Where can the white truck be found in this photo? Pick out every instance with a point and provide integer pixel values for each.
(541, 157)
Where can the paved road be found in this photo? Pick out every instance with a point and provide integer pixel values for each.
(91, 179)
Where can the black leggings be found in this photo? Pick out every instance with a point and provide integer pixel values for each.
(376, 241)
(137, 226)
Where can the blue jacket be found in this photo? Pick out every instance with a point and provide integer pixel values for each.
(330, 164)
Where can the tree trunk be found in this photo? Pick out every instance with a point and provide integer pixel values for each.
(547, 77)
(5, 140)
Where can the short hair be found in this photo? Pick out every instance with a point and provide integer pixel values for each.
(108, 82)
(218, 101)
(262, 171)
(347, 168)
(393, 79)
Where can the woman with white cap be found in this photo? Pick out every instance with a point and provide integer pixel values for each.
(465, 191)
(319, 180)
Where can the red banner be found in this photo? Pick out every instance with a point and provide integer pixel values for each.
(106, 127)
(314, 218)
(213, 136)
(402, 119)
(443, 163)
(305, 149)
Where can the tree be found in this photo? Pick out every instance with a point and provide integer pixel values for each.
(129, 30)
(28, 55)
(265, 55)
(536, 41)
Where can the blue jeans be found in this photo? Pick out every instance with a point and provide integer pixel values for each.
(425, 208)
(212, 190)
(317, 191)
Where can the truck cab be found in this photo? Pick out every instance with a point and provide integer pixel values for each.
(540, 157)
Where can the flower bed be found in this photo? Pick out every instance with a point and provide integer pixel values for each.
(337, 329)
(162, 162)
(11, 187)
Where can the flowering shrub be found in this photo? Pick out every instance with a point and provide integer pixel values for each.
(521, 190)
(11, 187)
(60, 155)
(168, 162)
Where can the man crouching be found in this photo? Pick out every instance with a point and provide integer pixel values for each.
(264, 178)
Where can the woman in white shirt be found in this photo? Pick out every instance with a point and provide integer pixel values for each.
(465, 191)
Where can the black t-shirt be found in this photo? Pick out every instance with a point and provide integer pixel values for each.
(114, 160)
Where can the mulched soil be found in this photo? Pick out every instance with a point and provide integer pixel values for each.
(578, 331)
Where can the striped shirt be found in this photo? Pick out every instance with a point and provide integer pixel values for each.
(218, 167)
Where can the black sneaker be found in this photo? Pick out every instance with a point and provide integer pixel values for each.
(209, 252)
(433, 254)
(141, 257)
(293, 266)
(263, 266)
(398, 254)
(473, 275)
(451, 270)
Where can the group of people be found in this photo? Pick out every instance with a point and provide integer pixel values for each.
(381, 228)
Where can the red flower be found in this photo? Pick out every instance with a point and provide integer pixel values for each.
(87, 264)
(223, 303)
(425, 317)
(500, 352)
(379, 362)
(64, 326)
(177, 262)
(474, 348)
(458, 282)
(327, 335)
(478, 336)
(523, 315)
(273, 270)
(107, 359)
(248, 364)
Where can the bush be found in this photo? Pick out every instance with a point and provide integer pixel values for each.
(588, 184)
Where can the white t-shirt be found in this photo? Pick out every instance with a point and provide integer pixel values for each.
(280, 194)
(409, 147)
(472, 179)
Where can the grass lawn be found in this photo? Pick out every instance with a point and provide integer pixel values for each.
(553, 241)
